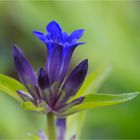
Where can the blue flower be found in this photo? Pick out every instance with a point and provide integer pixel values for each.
(52, 87)
(60, 47)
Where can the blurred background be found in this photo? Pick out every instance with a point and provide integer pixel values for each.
(112, 36)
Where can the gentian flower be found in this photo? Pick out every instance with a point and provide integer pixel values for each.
(52, 88)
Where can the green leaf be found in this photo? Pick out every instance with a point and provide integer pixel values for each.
(75, 123)
(94, 80)
(30, 106)
(10, 86)
(99, 100)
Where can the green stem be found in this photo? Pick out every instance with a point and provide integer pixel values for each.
(51, 127)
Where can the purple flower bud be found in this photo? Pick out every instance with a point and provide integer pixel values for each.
(43, 80)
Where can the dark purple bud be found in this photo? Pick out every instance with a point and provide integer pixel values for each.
(43, 80)
(75, 79)
(24, 68)
(44, 84)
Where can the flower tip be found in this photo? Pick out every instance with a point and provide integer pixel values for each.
(19, 92)
(53, 26)
(41, 72)
(53, 22)
(15, 47)
(84, 63)
(40, 35)
(82, 31)
(80, 99)
(86, 60)
(36, 32)
(82, 43)
(15, 50)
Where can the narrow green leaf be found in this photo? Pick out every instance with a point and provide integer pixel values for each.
(99, 100)
(30, 106)
(10, 86)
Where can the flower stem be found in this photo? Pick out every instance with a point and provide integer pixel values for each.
(51, 127)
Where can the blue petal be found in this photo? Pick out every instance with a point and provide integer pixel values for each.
(53, 63)
(75, 35)
(55, 31)
(66, 57)
(24, 68)
(75, 79)
(40, 35)
(65, 37)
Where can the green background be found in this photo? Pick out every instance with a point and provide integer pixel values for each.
(112, 37)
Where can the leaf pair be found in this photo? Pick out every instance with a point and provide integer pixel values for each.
(10, 86)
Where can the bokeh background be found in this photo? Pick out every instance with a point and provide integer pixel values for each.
(112, 36)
